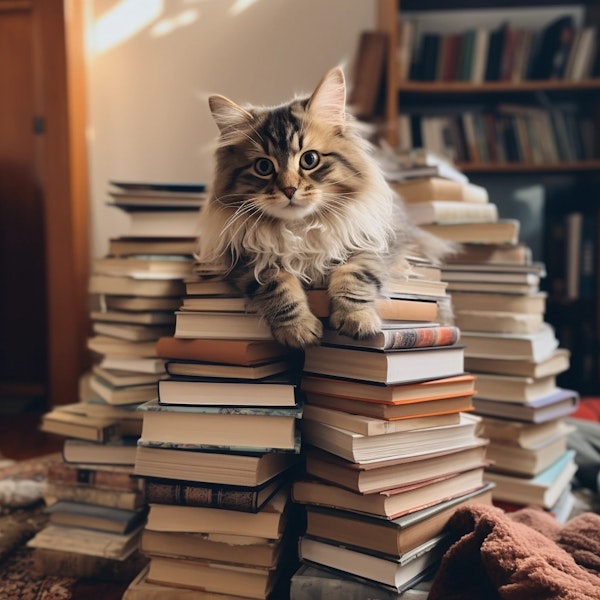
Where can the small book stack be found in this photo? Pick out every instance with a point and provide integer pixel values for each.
(217, 453)
(95, 518)
(499, 308)
(391, 452)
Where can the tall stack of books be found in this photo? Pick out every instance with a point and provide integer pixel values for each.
(499, 308)
(391, 450)
(134, 290)
(217, 453)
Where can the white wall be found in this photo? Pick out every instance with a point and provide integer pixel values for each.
(152, 64)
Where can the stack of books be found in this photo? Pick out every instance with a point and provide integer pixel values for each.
(135, 290)
(217, 453)
(95, 518)
(499, 307)
(390, 448)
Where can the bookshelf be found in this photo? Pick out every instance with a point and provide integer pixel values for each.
(570, 183)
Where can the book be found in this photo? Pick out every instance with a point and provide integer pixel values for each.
(392, 537)
(127, 246)
(153, 366)
(392, 366)
(186, 493)
(132, 332)
(61, 422)
(559, 403)
(425, 335)
(369, 448)
(511, 388)
(120, 451)
(491, 254)
(212, 577)
(516, 460)
(531, 346)
(102, 518)
(110, 477)
(232, 352)
(174, 189)
(270, 392)
(87, 541)
(432, 389)
(446, 212)
(403, 410)
(212, 427)
(159, 197)
(372, 426)
(256, 372)
(212, 467)
(542, 490)
(381, 475)
(126, 394)
(84, 566)
(164, 223)
(257, 552)
(311, 582)
(429, 189)
(399, 574)
(491, 276)
(127, 499)
(143, 318)
(267, 524)
(518, 433)
(132, 286)
(102, 344)
(498, 322)
(175, 266)
(477, 301)
(140, 303)
(555, 363)
(391, 503)
(503, 231)
(369, 69)
(141, 589)
(121, 378)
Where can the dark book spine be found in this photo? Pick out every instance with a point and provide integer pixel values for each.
(215, 496)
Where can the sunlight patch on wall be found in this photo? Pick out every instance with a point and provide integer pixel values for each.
(122, 22)
(166, 26)
(239, 6)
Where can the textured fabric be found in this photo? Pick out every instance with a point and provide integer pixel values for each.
(524, 555)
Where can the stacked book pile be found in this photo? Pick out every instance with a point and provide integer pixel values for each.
(499, 308)
(390, 448)
(134, 290)
(217, 453)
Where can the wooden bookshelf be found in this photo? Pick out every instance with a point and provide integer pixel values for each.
(570, 186)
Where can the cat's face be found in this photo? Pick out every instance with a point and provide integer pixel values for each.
(290, 161)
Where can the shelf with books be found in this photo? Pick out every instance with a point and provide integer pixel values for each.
(545, 71)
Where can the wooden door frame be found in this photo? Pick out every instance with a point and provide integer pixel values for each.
(63, 179)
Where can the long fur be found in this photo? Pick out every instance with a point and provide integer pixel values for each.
(333, 221)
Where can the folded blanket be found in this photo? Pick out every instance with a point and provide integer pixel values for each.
(524, 555)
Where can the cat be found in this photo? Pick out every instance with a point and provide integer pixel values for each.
(299, 200)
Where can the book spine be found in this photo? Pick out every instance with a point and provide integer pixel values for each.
(126, 499)
(61, 473)
(157, 492)
(446, 335)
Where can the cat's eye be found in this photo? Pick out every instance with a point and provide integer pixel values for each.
(264, 167)
(310, 159)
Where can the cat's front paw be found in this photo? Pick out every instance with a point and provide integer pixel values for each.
(358, 324)
(299, 333)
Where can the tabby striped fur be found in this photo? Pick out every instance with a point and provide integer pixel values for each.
(298, 200)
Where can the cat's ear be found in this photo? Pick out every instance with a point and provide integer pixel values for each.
(227, 114)
(328, 101)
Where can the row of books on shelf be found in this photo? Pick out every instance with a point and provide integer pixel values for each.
(506, 133)
(559, 50)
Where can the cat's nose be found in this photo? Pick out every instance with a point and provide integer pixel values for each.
(289, 191)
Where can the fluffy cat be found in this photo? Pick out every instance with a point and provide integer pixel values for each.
(298, 200)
